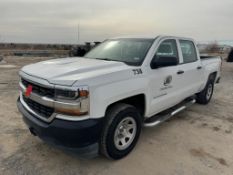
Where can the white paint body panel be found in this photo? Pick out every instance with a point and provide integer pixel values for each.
(111, 81)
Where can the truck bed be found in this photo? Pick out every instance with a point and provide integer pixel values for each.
(209, 57)
(210, 60)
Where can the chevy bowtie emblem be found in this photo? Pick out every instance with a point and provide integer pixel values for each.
(28, 91)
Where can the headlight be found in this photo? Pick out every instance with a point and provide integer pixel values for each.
(72, 102)
(66, 94)
(71, 94)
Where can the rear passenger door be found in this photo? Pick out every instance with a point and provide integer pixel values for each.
(191, 66)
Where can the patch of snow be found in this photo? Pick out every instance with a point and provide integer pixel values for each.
(7, 66)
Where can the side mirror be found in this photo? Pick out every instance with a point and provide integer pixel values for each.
(163, 61)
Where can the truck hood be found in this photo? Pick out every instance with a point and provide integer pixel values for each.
(67, 71)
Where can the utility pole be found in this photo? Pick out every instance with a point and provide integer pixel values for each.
(78, 33)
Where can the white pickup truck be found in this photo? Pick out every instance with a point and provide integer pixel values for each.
(98, 103)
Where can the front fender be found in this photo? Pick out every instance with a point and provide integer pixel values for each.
(105, 95)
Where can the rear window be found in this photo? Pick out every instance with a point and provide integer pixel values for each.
(188, 51)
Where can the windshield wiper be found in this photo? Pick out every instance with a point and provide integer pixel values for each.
(106, 59)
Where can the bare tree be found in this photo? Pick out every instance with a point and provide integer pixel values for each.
(213, 47)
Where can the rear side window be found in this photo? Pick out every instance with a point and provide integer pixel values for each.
(188, 51)
(167, 48)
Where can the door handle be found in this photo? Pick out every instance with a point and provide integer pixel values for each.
(199, 67)
(180, 72)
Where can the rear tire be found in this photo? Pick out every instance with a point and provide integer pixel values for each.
(205, 95)
(121, 131)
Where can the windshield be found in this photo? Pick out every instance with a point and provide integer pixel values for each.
(129, 51)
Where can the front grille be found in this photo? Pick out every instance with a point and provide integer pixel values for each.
(40, 90)
(40, 109)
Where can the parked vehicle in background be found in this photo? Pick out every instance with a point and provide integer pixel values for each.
(100, 102)
(230, 56)
(1, 58)
(80, 51)
(77, 51)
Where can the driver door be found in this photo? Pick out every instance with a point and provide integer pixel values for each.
(166, 83)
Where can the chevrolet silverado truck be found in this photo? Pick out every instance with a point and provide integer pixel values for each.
(100, 102)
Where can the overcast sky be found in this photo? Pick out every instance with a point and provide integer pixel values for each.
(56, 21)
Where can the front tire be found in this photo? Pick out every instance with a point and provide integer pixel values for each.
(121, 131)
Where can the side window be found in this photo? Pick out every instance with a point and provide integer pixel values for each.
(188, 51)
(167, 48)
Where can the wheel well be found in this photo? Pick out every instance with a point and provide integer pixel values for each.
(138, 101)
(213, 76)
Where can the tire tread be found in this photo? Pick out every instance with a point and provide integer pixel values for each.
(110, 116)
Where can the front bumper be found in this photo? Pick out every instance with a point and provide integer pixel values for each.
(80, 136)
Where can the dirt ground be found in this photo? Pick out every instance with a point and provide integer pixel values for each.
(197, 141)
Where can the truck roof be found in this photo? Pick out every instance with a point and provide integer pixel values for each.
(150, 37)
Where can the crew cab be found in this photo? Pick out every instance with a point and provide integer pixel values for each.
(99, 103)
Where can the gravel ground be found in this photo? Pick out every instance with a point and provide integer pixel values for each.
(197, 141)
